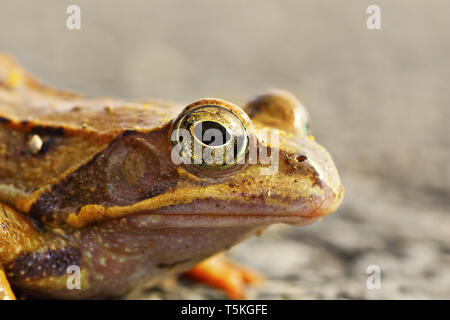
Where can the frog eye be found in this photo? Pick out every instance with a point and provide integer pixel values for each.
(211, 134)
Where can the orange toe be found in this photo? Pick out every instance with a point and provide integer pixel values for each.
(222, 274)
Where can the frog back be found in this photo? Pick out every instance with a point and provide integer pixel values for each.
(47, 134)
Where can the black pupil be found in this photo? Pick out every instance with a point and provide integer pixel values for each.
(210, 139)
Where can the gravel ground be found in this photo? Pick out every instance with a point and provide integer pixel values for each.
(379, 101)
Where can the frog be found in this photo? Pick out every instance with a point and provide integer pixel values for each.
(101, 196)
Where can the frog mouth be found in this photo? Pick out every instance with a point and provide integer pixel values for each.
(177, 220)
(215, 212)
(211, 213)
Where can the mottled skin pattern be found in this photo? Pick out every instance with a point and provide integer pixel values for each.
(101, 191)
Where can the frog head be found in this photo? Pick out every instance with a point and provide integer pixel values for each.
(212, 159)
(260, 160)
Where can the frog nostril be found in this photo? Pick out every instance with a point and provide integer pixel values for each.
(300, 158)
(294, 160)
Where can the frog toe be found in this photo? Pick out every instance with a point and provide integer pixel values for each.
(220, 273)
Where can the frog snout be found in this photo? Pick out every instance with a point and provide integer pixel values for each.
(313, 176)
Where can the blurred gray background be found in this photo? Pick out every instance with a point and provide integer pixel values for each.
(379, 102)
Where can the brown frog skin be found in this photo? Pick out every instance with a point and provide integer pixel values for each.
(91, 183)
